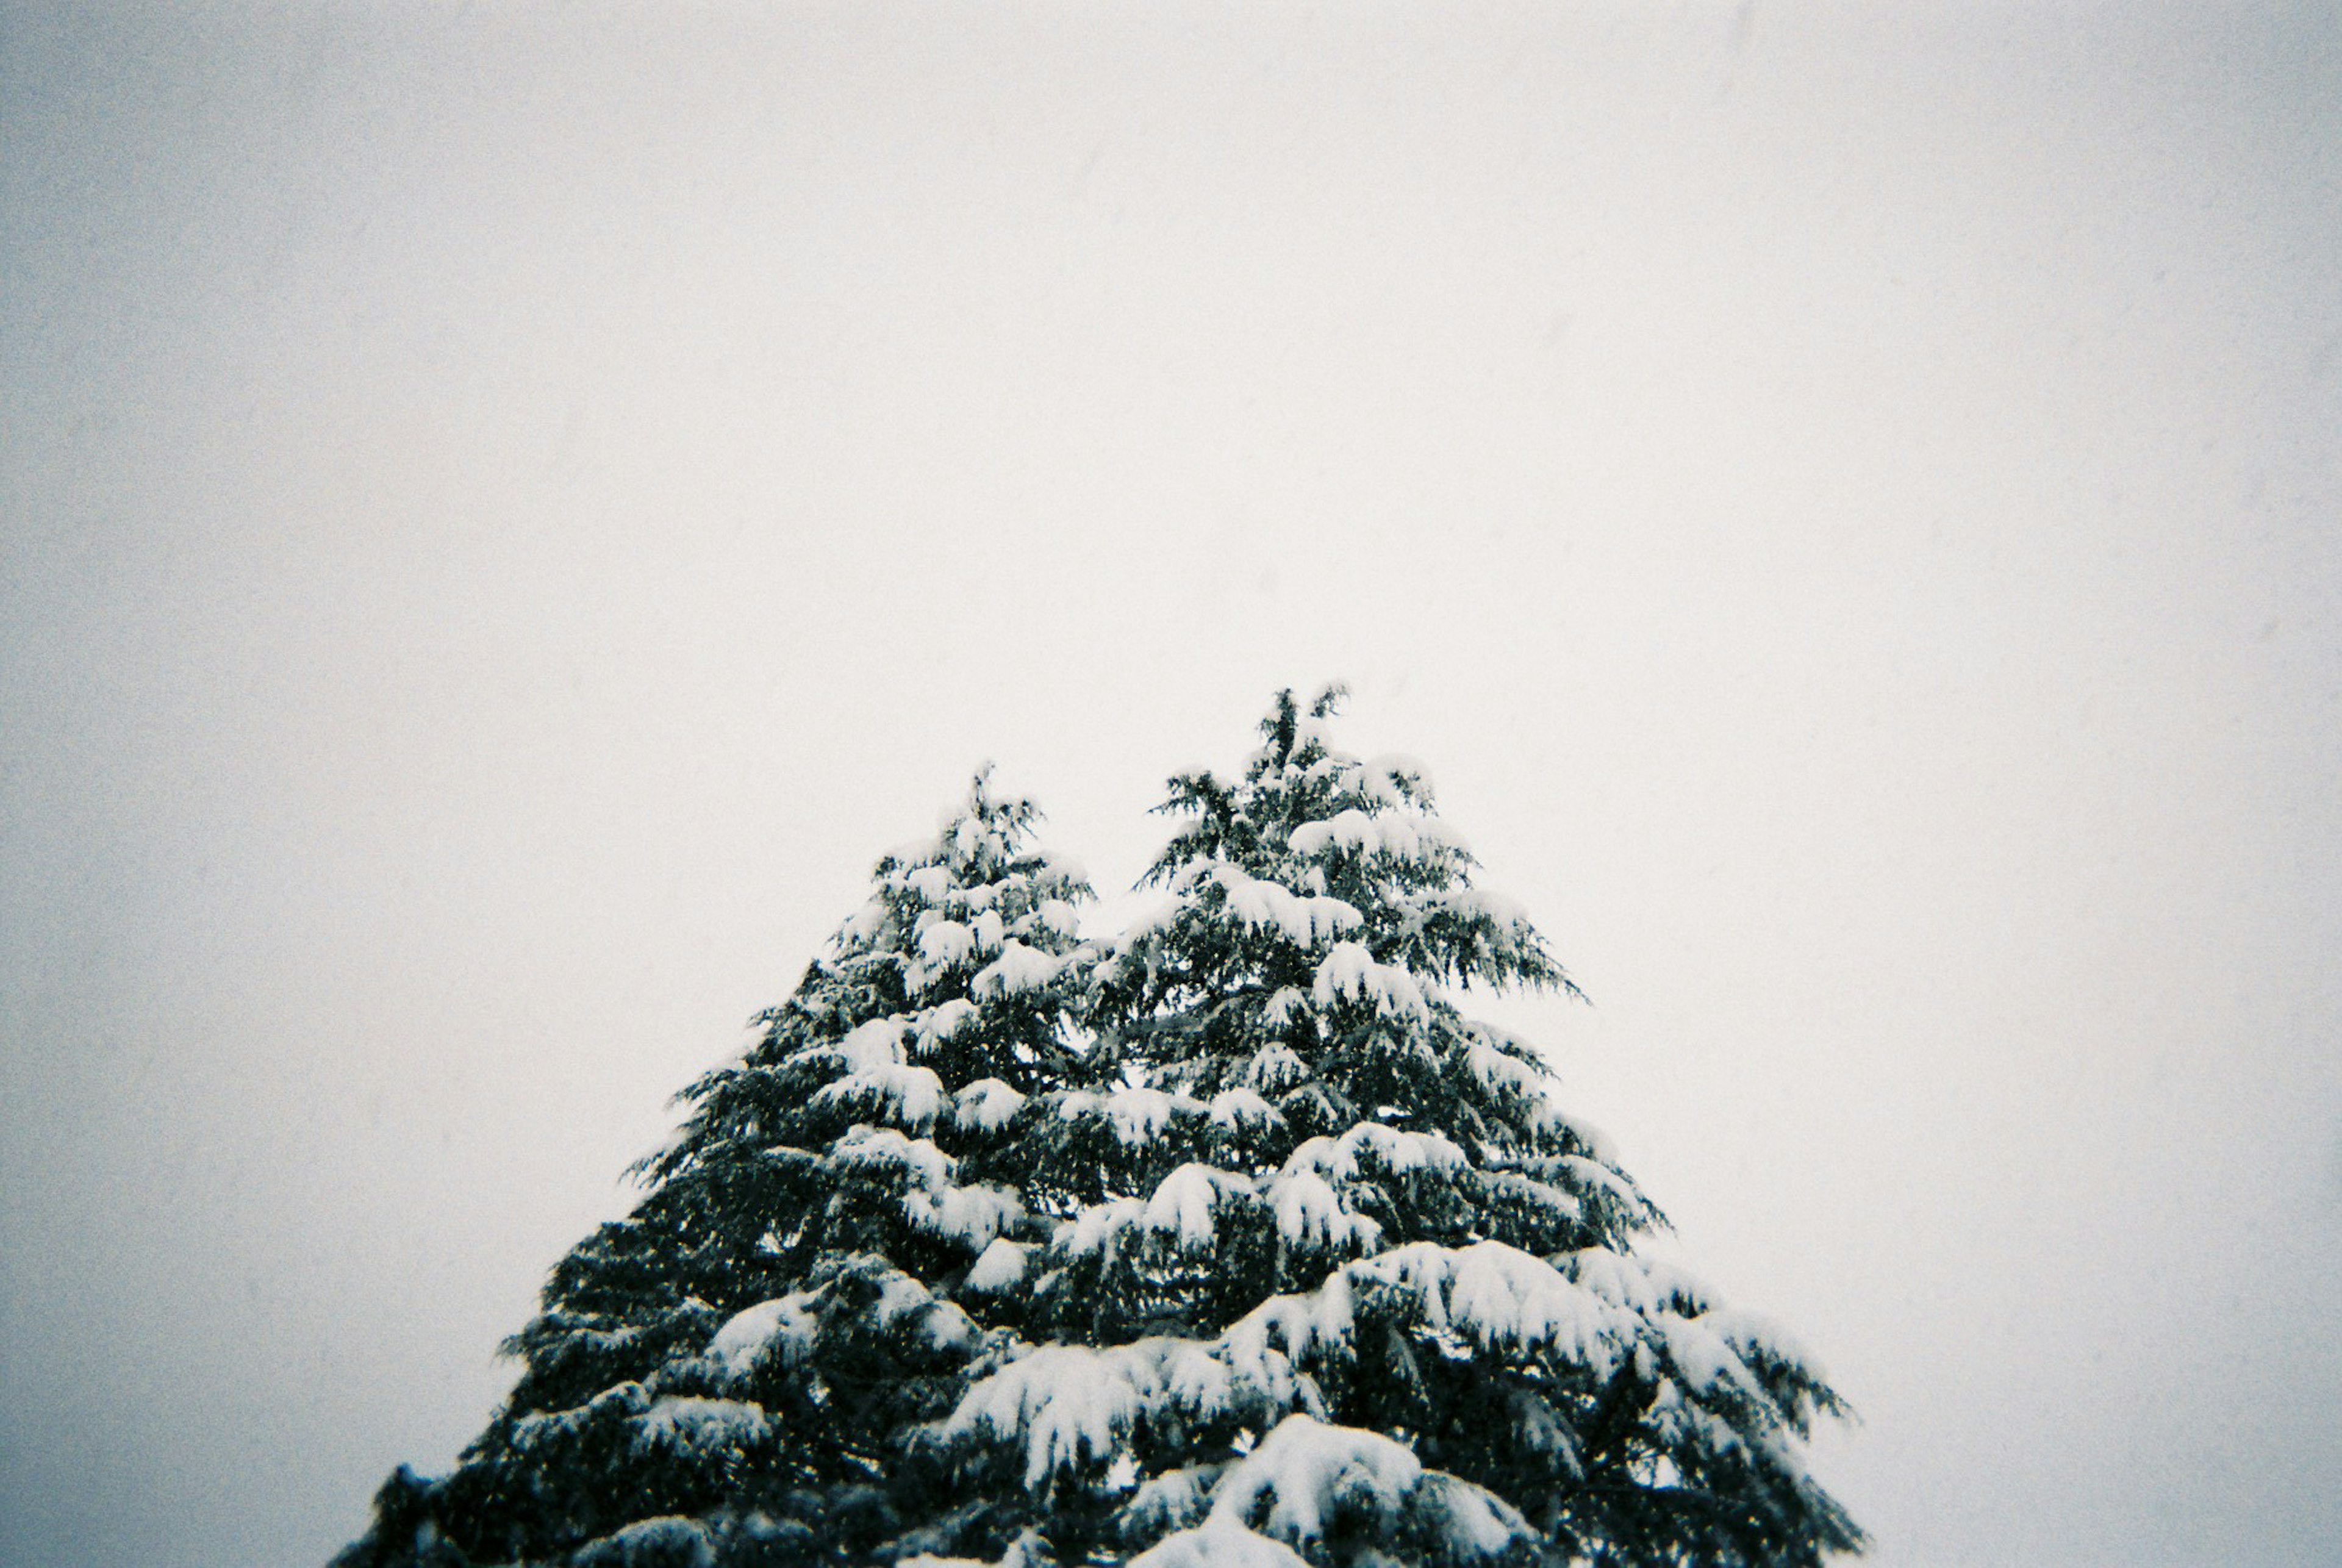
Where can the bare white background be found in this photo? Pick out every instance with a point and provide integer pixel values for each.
(507, 511)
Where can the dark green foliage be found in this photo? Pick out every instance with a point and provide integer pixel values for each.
(839, 1179)
(1232, 1242)
(1303, 1198)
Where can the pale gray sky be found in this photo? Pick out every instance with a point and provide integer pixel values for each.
(508, 510)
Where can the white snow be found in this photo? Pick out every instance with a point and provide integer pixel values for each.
(944, 942)
(883, 1148)
(970, 1216)
(1402, 835)
(1395, 1149)
(1232, 1108)
(873, 1044)
(998, 1266)
(1183, 1201)
(1536, 1192)
(679, 1421)
(1499, 1297)
(929, 881)
(1174, 1499)
(1069, 1404)
(1381, 777)
(1309, 1213)
(1217, 1543)
(946, 1019)
(903, 1298)
(1282, 1006)
(987, 929)
(1138, 1115)
(987, 1105)
(1504, 1298)
(1591, 1173)
(1018, 968)
(745, 1336)
(1305, 920)
(861, 926)
(913, 1094)
(1752, 1334)
(1348, 970)
(669, 1539)
(1098, 1225)
(1276, 1068)
(1702, 1357)
(1475, 1518)
(1304, 1466)
(1499, 1069)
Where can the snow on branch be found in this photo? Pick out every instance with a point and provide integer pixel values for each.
(1070, 1405)
(1348, 972)
(1401, 835)
(1306, 920)
(1304, 1469)
(1018, 969)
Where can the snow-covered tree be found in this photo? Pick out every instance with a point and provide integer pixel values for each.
(732, 1373)
(1332, 1276)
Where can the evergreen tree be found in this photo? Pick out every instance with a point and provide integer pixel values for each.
(730, 1373)
(1332, 1277)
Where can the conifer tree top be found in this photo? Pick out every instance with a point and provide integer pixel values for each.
(1227, 1240)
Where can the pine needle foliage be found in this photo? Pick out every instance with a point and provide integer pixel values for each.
(1229, 1242)
(733, 1372)
(1333, 1276)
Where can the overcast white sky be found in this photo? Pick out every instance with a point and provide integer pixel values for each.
(508, 510)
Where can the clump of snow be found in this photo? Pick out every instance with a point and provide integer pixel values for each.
(692, 1425)
(1532, 1192)
(1309, 1213)
(1274, 1069)
(1018, 968)
(885, 1149)
(1592, 1175)
(1217, 1542)
(970, 1215)
(987, 927)
(1288, 1000)
(1394, 1149)
(998, 1266)
(901, 1297)
(1472, 1520)
(1183, 1201)
(1098, 1223)
(1756, 1337)
(1400, 836)
(1305, 1468)
(1349, 971)
(946, 1019)
(1499, 1069)
(1174, 1500)
(670, 1541)
(1392, 778)
(747, 1335)
(913, 1096)
(930, 883)
(1070, 1405)
(1702, 1358)
(1137, 1114)
(876, 1044)
(1234, 1108)
(987, 1106)
(1499, 1297)
(1305, 920)
(945, 942)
